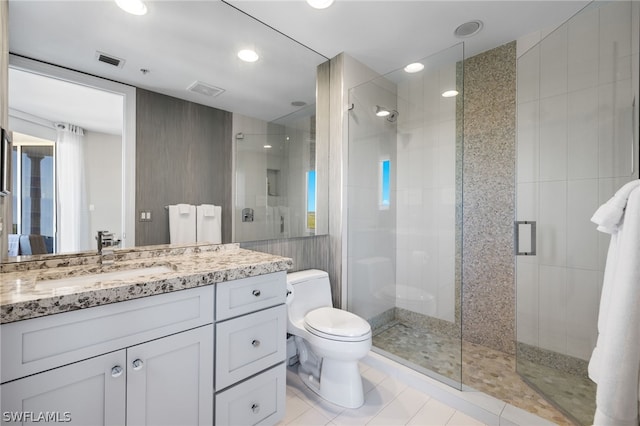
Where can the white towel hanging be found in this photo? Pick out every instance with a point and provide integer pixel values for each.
(182, 224)
(208, 224)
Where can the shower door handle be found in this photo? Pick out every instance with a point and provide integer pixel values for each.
(525, 246)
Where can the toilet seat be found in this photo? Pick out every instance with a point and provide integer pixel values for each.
(336, 324)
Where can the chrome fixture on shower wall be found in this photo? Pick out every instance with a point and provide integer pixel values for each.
(391, 115)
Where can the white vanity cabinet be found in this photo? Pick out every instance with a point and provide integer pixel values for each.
(89, 364)
(250, 350)
(151, 361)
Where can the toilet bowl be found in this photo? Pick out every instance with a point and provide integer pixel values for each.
(329, 341)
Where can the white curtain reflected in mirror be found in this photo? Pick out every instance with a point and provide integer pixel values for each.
(73, 223)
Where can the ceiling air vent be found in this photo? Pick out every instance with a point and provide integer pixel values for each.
(205, 89)
(110, 59)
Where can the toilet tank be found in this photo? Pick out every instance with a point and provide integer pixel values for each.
(311, 290)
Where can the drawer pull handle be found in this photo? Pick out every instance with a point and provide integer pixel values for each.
(256, 293)
(255, 343)
(255, 408)
(116, 371)
(137, 364)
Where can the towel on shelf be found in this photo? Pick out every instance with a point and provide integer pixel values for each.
(615, 361)
(182, 224)
(208, 224)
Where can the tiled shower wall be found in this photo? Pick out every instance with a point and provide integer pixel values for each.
(426, 185)
(488, 288)
(575, 91)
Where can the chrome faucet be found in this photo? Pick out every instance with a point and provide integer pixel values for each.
(106, 241)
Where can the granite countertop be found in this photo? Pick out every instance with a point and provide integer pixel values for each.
(38, 288)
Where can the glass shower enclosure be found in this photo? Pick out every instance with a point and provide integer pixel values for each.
(404, 213)
(576, 145)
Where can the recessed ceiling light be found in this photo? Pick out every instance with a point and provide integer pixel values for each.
(248, 55)
(414, 67)
(450, 94)
(468, 29)
(320, 4)
(267, 146)
(134, 7)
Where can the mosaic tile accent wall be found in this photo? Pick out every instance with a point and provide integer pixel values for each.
(488, 303)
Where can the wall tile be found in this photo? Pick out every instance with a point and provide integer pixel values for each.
(553, 314)
(582, 133)
(553, 138)
(527, 300)
(552, 227)
(583, 50)
(582, 236)
(582, 312)
(553, 63)
(529, 76)
(528, 145)
(615, 42)
(614, 129)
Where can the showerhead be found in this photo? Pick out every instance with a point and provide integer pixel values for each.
(382, 111)
(390, 114)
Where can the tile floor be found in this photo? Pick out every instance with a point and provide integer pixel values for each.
(490, 371)
(388, 401)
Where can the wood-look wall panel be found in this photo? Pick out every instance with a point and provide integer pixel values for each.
(183, 155)
(306, 252)
(336, 164)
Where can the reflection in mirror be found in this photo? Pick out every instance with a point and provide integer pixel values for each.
(67, 176)
(71, 159)
(270, 88)
(275, 178)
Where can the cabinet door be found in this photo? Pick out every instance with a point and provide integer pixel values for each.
(170, 380)
(90, 392)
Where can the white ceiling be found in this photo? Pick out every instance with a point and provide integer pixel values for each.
(180, 42)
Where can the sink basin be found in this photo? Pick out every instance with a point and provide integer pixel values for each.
(124, 274)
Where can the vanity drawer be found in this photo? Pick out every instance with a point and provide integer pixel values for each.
(249, 344)
(39, 344)
(238, 297)
(259, 400)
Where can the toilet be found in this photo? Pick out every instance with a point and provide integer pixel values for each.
(329, 342)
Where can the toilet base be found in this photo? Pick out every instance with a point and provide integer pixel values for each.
(340, 382)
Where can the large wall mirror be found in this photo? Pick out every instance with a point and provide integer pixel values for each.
(61, 91)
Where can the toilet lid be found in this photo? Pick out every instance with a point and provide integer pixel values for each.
(336, 324)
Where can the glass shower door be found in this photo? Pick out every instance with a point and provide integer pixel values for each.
(404, 201)
(576, 146)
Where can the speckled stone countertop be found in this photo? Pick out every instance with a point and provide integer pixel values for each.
(50, 285)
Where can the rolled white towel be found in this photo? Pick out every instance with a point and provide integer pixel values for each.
(608, 216)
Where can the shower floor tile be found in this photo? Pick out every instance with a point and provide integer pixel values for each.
(488, 371)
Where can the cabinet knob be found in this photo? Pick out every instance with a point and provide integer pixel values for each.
(255, 408)
(116, 371)
(255, 343)
(137, 364)
(256, 293)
